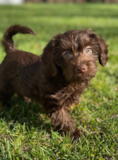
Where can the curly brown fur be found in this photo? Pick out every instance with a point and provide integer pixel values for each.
(58, 77)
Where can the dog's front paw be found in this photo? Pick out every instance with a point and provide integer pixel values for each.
(76, 135)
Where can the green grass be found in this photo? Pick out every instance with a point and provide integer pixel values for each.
(25, 130)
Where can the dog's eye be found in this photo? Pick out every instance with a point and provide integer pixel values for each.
(88, 50)
(67, 55)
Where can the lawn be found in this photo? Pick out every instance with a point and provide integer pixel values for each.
(25, 130)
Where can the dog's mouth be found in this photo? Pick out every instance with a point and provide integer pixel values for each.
(85, 72)
(83, 77)
(80, 77)
(81, 73)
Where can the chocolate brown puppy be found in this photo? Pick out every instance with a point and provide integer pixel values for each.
(58, 77)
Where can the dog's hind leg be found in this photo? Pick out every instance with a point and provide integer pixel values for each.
(5, 97)
(6, 92)
(6, 88)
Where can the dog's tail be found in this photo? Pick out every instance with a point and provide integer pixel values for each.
(7, 41)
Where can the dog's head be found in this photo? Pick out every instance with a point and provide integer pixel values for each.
(74, 54)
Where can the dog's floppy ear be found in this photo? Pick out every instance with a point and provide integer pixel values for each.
(48, 58)
(103, 53)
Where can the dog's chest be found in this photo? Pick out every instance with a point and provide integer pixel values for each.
(69, 95)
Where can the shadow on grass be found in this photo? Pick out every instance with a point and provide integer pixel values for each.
(32, 114)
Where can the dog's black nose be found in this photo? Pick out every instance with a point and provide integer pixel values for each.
(82, 68)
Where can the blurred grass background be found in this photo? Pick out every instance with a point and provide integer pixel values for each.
(25, 130)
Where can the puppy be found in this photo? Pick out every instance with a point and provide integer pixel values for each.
(58, 77)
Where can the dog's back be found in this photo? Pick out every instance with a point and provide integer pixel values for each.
(17, 66)
(14, 57)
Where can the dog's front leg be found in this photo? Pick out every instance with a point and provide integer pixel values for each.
(61, 120)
